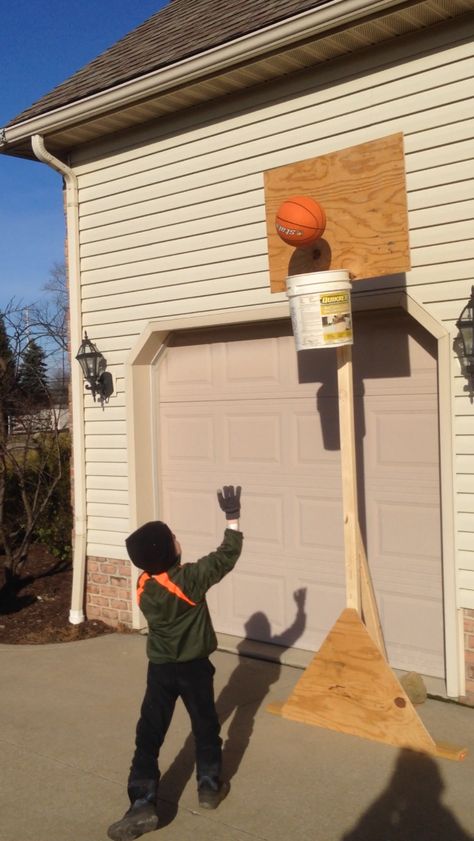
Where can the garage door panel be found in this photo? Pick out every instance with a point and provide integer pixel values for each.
(188, 437)
(408, 530)
(253, 437)
(186, 369)
(189, 512)
(243, 366)
(320, 564)
(413, 629)
(410, 578)
(409, 357)
(263, 593)
(404, 439)
(264, 518)
(238, 598)
(319, 523)
(324, 604)
(307, 441)
(399, 435)
(414, 383)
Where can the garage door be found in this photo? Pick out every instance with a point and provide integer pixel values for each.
(238, 405)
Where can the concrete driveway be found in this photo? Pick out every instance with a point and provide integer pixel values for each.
(67, 720)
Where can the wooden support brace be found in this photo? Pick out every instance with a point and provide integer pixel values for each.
(370, 613)
(349, 687)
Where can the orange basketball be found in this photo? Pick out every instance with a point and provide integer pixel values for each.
(300, 221)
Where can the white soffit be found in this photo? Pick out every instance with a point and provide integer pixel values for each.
(340, 42)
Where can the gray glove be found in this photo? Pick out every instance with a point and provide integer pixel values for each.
(229, 501)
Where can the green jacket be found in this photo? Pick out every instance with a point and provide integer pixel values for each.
(175, 607)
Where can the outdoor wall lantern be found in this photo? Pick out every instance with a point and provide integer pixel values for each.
(465, 325)
(93, 363)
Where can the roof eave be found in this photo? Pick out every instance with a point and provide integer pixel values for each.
(14, 140)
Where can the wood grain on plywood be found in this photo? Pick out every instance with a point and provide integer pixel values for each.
(363, 192)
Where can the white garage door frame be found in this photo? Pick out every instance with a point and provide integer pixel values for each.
(140, 402)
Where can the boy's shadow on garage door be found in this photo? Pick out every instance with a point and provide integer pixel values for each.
(240, 699)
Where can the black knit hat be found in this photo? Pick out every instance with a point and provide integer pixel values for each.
(151, 547)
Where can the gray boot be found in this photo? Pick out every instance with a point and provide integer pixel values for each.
(210, 793)
(140, 818)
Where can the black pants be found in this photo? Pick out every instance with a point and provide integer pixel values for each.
(193, 682)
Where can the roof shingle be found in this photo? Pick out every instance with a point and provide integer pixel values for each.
(178, 31)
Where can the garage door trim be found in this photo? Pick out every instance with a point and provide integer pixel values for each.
(144, 503)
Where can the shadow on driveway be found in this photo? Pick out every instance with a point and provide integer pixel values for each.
(410, 808)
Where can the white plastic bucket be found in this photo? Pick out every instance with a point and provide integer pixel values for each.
(320, 308)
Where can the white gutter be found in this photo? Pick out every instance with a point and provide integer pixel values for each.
(275, 37)
(76, 614)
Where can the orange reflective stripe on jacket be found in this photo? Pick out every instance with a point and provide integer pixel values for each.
(165, 582)
(144, 577)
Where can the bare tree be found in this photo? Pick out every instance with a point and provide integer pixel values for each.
(49, 318)
(48, 322)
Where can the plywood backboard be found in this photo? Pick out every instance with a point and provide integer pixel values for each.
(363, 191)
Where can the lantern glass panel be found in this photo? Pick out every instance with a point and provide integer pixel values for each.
(467, 333)
(90, 364)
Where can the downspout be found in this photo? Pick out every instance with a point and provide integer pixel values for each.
(76, 613)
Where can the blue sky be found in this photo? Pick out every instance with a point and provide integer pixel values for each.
(42, 42)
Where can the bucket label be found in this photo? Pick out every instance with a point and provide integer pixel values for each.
(336, 319)
(321, 319)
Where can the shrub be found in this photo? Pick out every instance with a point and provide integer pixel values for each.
(54, 528)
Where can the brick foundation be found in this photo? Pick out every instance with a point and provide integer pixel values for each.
(469, 655)
(109, 591)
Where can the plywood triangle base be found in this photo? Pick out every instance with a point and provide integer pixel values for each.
(349, 687)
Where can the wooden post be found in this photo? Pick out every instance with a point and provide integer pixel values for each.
(349, 476)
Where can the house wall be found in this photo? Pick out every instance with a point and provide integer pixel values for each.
(172, 224)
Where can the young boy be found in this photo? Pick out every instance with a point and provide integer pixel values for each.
(180, 639)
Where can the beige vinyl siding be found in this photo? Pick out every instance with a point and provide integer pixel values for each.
(259, 154)
(172, 223)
